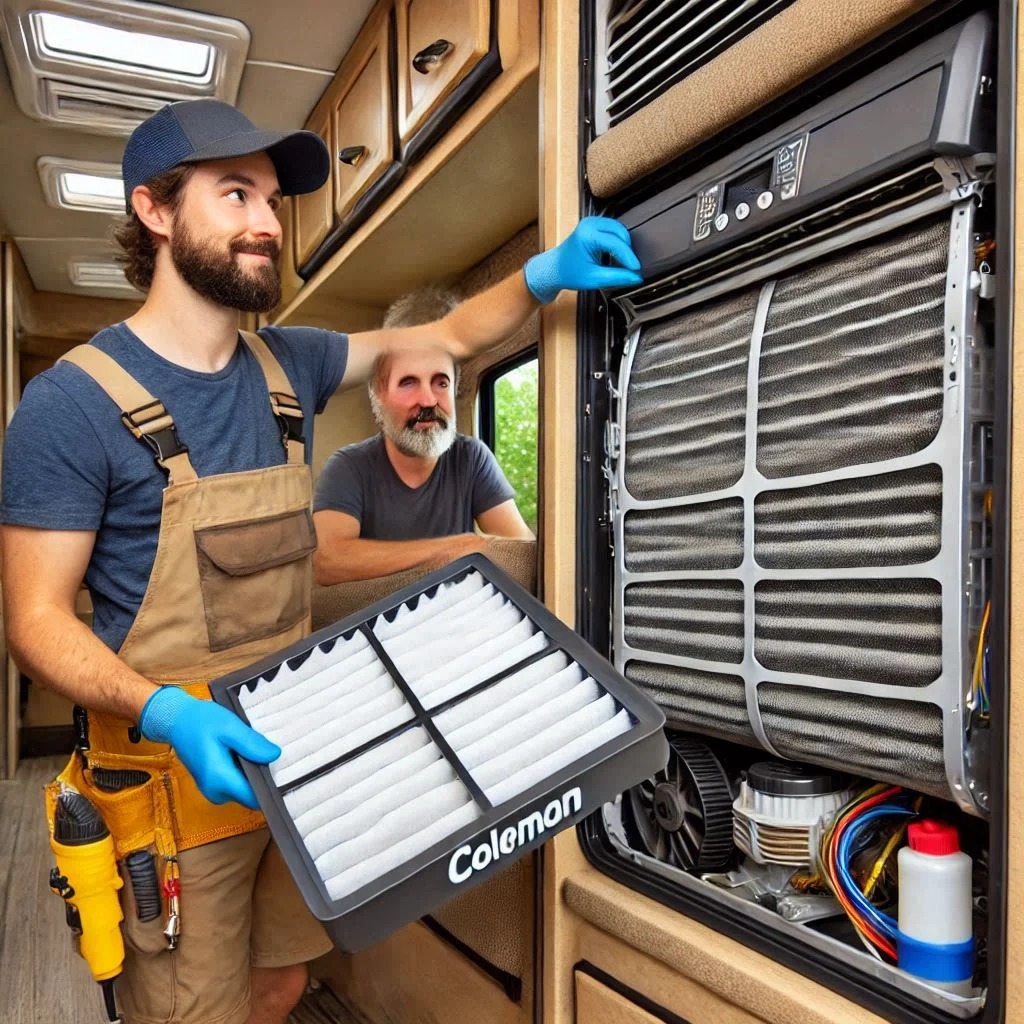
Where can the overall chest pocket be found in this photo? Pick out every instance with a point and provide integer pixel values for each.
(256, 576)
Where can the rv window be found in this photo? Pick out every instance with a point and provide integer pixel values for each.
(508, 425)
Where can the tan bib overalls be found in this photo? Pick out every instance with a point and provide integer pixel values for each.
(231, 583)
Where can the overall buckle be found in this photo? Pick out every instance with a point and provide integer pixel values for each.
(289, 415)
(164, 442)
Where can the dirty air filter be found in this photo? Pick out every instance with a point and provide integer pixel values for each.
(796, 463)
(432, 739)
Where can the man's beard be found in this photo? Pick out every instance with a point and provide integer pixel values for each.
(215, 273)
(421, 444)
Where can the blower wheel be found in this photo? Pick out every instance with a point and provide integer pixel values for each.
(683, 816)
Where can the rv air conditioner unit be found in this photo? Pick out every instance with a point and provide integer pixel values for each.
(799, 453)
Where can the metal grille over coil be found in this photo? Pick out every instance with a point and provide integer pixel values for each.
(789, 503)
(852, 357)
(685, 425)
(650, 45)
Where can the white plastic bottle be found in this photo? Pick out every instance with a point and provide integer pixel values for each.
(935, 940)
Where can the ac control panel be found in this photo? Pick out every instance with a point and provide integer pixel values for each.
(754, 189)
(924, 104)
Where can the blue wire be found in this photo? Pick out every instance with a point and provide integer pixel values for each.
(881, 922)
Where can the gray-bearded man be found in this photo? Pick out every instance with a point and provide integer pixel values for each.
(411, 494)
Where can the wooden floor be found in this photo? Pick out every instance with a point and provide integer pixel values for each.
(42, 979)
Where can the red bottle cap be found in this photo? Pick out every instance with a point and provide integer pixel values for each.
(934, 838)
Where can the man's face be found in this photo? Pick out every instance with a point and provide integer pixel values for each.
(226, 238)
(415, 409)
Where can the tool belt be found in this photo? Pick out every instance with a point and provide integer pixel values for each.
(145, 794)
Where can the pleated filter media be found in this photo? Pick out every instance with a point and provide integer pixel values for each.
(431, 740)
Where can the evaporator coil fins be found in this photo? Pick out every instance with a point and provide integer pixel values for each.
(436, 736)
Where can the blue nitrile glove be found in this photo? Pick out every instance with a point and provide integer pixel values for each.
(203, 735)
(576, 263)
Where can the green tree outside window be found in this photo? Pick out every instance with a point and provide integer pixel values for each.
(515, 435)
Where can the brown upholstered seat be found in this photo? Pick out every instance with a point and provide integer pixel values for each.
(330, 604)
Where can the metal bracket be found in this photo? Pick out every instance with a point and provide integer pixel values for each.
(963, 177)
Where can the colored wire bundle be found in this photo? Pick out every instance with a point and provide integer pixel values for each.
(843, 841)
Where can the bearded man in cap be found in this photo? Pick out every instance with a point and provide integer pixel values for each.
(166, 465)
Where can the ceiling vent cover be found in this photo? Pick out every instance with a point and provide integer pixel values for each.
(105, 66)
(430, 740)
(81, 185)
(97, 275)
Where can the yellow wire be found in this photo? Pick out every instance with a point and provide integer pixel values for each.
(979, 655)
(823, 844)
(879, 866)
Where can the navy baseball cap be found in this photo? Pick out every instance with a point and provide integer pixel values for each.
(193, 130)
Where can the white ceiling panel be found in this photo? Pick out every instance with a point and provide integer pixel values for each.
(310, 33)
(276, 98)
(47, 260)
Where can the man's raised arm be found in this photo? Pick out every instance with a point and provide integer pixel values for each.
(487, 319)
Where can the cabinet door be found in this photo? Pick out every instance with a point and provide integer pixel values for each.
(598, 1004)
(362, 115)
(439, 44)
(314, 213)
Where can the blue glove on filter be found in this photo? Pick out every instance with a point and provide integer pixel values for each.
(576, 263)
(203, 735)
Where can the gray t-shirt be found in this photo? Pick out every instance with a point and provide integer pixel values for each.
(360, 481)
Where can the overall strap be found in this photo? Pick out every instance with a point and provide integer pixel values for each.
(144, 415)
(282, 398)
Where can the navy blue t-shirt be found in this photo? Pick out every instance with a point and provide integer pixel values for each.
(70, 464)
(360, 481)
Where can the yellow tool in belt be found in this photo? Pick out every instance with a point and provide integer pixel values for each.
(86, 877)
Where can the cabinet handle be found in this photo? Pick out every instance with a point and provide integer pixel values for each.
(352, 155)
(431, 56)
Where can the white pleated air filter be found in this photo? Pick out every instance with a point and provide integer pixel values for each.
(430, 740)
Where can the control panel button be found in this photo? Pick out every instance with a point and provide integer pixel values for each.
(721, 222)
(764, 200)
(742, 211)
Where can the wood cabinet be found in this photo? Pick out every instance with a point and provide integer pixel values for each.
(362, 114)
(435, 145)
(290, 280)
(314, 212)
(440, 43)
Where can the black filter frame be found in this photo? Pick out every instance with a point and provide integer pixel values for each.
(422, 884)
